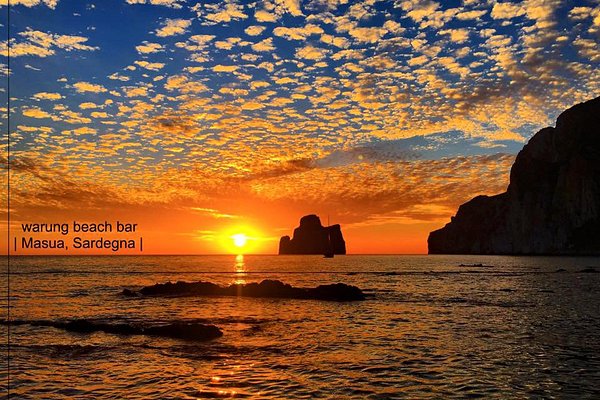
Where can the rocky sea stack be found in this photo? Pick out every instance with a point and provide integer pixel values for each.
(313, 238)
(552, 204)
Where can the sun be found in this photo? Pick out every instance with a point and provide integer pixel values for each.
(239, 239)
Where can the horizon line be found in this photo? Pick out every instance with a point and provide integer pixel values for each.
(204, 254)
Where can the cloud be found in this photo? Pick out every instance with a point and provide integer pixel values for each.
(579, 13)
(172, 27)
(166, 3)
(85, 87)
(35, 112)
(225, 68)
(311, 53)
(337, 41)
(300, 33)
(150, 66)
(254, 30)
(183, 84)
(38, 129)
(88, 105)
(147, 48)
(362, 189)
(265, 16)
(588, 49)
(44, 44)
(29, 3)
(457, 35)
(47, 96)
(419, 10)
(367, 35)
(213, 213)
(472, 14)
(226, 12)
(291, 6)
(252, 105)
(136, 91)
(507, 10)
(264, 45)
(84, 130)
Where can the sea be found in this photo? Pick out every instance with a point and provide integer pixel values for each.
(438, 327)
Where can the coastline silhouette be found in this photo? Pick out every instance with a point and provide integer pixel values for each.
(552, 204)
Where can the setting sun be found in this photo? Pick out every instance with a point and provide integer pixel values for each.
(239, 239)
(243, 238)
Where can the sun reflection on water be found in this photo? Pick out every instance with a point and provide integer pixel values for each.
(240, 270)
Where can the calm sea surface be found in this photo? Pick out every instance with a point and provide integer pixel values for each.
(512, 327)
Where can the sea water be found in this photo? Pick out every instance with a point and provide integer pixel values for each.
(432, 327)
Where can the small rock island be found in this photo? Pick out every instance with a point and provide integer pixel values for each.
(313, 238)
(552, 204)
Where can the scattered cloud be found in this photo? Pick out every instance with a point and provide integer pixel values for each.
(254, 30)
(166, 3)
(148, 47)
(172, 27)
(311, 53)
(47, 96)
(83, 87)
(409, 107)
(29, 3)
(44, 44)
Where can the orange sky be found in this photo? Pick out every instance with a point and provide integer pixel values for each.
(394, 218)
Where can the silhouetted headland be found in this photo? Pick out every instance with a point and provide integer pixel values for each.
(313, 238)
(267, 288)
(552, 204)
(176, 330)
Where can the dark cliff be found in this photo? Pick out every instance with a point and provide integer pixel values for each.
(313, 238)
(552, 204)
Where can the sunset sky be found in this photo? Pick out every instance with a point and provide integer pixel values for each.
(202, 120)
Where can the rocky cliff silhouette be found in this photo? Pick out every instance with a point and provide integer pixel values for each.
(552, 204)
(313, 238)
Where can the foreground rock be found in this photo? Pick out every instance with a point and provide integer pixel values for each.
(552, 205)
(176, 330)
(266, 288)
(313, 238)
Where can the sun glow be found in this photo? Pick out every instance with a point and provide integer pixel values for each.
(239, 239)
(242, 239)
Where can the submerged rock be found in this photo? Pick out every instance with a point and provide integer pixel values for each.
(313, 238)
(476, 265)
(552, 204)
(267, 288)
(176, 330)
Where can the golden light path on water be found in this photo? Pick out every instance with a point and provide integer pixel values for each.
(240, 270)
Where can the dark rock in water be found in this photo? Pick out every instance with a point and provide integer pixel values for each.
(313, 238)
(129, 293)
(266, 288)
(589, 270)
(546, 291)
(175, 330)
(184, 330)
(561, 270)
(476, 265)
(552, 204)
